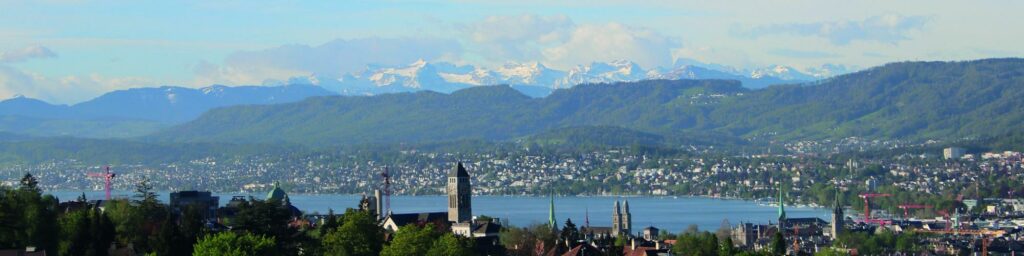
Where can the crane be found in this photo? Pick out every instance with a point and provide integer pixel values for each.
(867, 206)
(906, 208)
(107, 178)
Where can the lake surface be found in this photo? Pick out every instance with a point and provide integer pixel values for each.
(667, 213)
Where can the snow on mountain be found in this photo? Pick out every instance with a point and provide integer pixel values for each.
(782, 72)
(601, 72)
(531, 73)
(448, 77)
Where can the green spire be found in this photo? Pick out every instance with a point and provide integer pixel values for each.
(551, 213)
(782, 203)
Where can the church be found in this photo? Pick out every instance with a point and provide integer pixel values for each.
(459, 217)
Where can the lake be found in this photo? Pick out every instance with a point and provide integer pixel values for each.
(667, 213)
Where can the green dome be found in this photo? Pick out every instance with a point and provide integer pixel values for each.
(277, 193)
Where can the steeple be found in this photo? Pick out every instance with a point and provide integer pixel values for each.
(782, 204)
(837, 215)
(551, 214)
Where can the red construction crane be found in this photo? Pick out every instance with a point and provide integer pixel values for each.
(867, 206)
(386, 191)
(906, 208)
(107, 178)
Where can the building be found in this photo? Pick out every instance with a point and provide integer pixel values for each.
(622, 220)
(459, 195)
(837, 216)
(459, 217)
(202, 200)
(650, 233)
(953, 153)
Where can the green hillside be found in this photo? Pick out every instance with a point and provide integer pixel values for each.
(910, 100)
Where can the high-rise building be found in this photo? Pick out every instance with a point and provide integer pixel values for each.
(459, 194)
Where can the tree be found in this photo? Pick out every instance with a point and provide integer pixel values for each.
(359, 235)
(233, 244)
(411, 240)
(74, 233)
(570, 233)
(29, 183)
(169, 240)
(330, 223)
(778, 244)
(102, 231)
(267, 218)
(451, 245)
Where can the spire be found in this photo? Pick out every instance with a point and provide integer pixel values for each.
(586, 220)
(782, 203)
(551, 213)
(617, 209)
(625, 206)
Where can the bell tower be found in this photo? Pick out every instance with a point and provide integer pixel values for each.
(459, 194)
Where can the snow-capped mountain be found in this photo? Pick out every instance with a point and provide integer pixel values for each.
(781, 72)
(601, 72)
(537, 80)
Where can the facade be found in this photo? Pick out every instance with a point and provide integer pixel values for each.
(953, 153)
(622, 220)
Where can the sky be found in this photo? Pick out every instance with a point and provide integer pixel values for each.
(69, 51)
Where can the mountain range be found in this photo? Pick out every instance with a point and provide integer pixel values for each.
(907, 100)
(139, 111)
(536, 80)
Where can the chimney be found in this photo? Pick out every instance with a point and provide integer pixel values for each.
(657, 245)
(632, 244)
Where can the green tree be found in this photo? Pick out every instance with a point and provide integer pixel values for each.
(451, 245)
(29, 182)
(570, 233)
(411, 240)
(359, 235)
(778, 244)
(75, 234)
(233, 244)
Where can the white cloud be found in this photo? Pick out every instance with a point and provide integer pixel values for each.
(61, 90)
(27, 53)
(332, 59)
(613, 41)
(890, 28)
(519, 38)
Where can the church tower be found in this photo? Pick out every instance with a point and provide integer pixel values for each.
(459, 193)
(837, 216)
(616, 219)
(627, 218)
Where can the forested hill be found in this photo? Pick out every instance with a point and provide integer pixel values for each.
(910, 100)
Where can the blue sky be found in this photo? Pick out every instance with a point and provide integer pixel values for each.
(67, 51)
